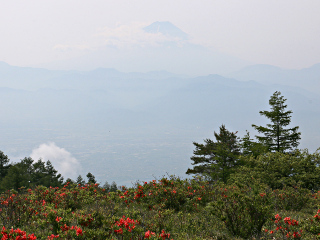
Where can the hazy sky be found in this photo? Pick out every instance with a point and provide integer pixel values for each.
(284, 33)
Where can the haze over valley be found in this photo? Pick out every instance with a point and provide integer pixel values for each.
(125, 101)
(121, 126)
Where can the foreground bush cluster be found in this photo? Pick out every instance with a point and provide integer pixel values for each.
(170, 208)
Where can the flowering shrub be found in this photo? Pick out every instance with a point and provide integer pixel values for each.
(291, 198)
(16, 234)
(126, 228)
(174, 193)
(244, 210)
(287, 228)
(151, 235)
(312, 225)
(165, 209)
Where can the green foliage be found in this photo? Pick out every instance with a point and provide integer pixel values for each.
(75, 212)
(110, 188)
(28, 173)
(244, 210)
(4, 165)
(286, 228)
(251, 148)
(235, 197)
(278, 169)
(80, 181)
(174, 194)
(216, 160)
(91, 178)
(312, 224)
(276, 136)
(292, 198)
(113, 187)
(171, 208)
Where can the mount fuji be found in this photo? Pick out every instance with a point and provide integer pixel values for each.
(160, 46)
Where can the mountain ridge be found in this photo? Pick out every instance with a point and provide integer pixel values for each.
(166, 28)
(306, 78)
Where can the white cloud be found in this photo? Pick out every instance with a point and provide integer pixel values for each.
(66, 47)
(122, 36)
(61, 159)
(131, 35)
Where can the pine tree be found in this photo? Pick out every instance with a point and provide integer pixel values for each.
(91, 178)
(56, 179)
(251, 148)
(216, 160)
(113, 187)
(80, 181)
(106, 186)
(276, 136)
(19, 175)
(4, 165)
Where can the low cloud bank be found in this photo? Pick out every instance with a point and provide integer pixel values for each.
(61, 159)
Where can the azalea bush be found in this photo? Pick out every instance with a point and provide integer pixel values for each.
(244, 210)
(286, 228)
(16, 234)
(173, 193)
(292, 198)
(70, 212)
(169, 208)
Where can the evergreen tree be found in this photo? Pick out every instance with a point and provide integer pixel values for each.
(4, 165)
(39, 173)
(91, 178)
(276, 136)
(216, 160)
(43, 173)
(29, 174)
(106, 186)
(80, 181)
(251, 148)
(54, 179)
(15, 179)
(113, 187)
(19, 175)
(68, 181)
(278, 170)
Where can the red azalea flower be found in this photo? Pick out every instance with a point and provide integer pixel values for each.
(79, 231)
(148, 234)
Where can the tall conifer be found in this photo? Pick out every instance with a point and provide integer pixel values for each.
(276, 136)
(216, 160)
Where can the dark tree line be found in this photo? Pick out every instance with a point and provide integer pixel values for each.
(29, 173)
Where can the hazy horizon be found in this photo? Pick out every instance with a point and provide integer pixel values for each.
(63, 35)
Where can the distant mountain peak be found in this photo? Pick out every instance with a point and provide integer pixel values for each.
(4, 64)
(166, 28)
